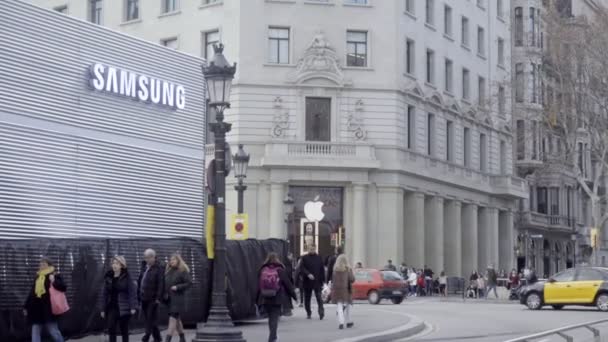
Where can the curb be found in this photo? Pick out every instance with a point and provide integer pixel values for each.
(413, 327)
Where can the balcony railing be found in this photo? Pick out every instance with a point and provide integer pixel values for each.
(545, 220)
(320, 154)
(321, 150)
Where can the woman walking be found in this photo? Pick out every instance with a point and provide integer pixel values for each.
(38, 304)
(119, 299)
(443, 284)
(274, 285)
(413, 281)
(177, 281)
(342, 290)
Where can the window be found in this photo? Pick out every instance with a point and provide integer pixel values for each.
(533, 93)
(520, 135)
(519, 26)
(363, 276)
(465, 84)
(500, 12)
(447, 20)
(430, 66)
(481, 46)
(519, 82)
(539, 38)
(541, 200)
(467, 147)
(464, 31)
(532, 26)
(554, 198)
(391, 276)
(61, 9)
(211, 38)
(534, 140)
(481, 91)
(430, 15)
(589, 274)
(449, 141)
(318, 119)
(483, 153)
(170, 43)
(503, 157)
(430, 134)
(169, 6)
(567, 275)
(448, 75)
(501, 52)
(410, 6)
(410, 56)
(502, 102)
(278, 45)
(411, 126)
(95, 9)
(581, 158)
(356, 46)
(132, 10)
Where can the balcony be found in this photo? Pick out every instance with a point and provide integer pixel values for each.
(320, 155)
(549, 221)
(509, 186)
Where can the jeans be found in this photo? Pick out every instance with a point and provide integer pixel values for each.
(490, 288)
(51, 328)
(412, 290)
(150, 311)
(428, 285)
(343, 313)
(274, 313)
(115, 322)
(308, 297)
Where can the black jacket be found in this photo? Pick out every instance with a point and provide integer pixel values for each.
(151, 288)
(177, 299)
(331, 262)
(39, 309)
(127, 292)
(287, 290)
(312, 264)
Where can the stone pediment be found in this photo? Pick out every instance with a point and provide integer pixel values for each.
(319, 61)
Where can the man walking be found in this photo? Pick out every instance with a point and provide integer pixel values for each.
(313, 275)
(150, 290)
(492, 281)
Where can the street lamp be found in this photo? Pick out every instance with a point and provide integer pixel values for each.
(289, 206)
(219, 327)
(241, 161)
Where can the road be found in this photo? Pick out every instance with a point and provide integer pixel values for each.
(488, 321)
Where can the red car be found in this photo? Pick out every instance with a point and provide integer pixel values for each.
(375, 285)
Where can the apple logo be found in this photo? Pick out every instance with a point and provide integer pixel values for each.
(313, 210)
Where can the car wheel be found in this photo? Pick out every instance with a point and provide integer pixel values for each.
(558, 307)
(373, 297)
(397, 300)
(533, 301)
(602, 302)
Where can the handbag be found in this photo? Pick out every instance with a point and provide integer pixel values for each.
(59, 302)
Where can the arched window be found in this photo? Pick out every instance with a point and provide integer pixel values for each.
(519, 26)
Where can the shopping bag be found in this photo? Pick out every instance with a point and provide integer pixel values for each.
(59, 302)
(326, 292)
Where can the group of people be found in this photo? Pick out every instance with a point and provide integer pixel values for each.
(481, 284)
(122, 297)
(421, 282)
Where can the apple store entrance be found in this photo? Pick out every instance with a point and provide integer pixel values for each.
(316, 203)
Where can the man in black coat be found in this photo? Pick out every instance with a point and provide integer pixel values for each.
(150, 291)
(313, 275)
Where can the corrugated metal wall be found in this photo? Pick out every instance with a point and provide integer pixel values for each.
(74, 162)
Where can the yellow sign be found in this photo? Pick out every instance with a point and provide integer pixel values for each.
(210, 231)
(239, 227)
(594, 237)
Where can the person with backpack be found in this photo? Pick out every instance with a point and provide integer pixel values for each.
(313, 274)
(274, 285)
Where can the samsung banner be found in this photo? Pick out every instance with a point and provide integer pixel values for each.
(139, 87)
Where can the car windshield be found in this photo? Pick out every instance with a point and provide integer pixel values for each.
(363, 276)
(391, 275)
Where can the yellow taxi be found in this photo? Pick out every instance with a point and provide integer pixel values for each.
(586, 286)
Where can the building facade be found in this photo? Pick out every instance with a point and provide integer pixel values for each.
(395, 114)
(85, 151)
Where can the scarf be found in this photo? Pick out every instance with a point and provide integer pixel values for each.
(39, 289)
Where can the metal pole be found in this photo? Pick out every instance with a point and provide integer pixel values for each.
(240, 188)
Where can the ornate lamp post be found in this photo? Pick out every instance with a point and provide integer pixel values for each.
(289, 207)
(240, 161)
(219, 327)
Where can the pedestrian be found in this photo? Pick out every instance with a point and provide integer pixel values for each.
(481, 286)
(359, 265)
(403, 270)
(474, 283)
(37, 306)
(428, 280)
(413, 282)
(390, 266)
(299, 283)
(177, 281)
(150, 290)
(421, 285)
(342, 291)
(119, 299)
(443, 283)
(513, 280)
(313, 274)
(331, 263)
(492, 281)
(274, 286)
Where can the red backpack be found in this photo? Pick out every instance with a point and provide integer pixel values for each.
(270, 282)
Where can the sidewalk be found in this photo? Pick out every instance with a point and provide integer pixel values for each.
(372, 323)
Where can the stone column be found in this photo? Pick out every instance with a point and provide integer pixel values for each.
(506, 240)
(453, 238)
(390, 224)
(433, 236)
(483, 240)
(492, 249)
(277, 224)
(469, 238)
(414, 229)
(359, 224)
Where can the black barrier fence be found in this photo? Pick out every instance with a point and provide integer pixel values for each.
(83, 263)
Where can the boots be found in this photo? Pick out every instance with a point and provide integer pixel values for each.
(168, 338)
(182, 338)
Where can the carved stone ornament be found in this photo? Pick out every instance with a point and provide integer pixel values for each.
(280, 123)
(319, 61)
(354, 122)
